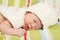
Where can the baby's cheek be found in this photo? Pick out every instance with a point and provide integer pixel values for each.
(27, 20)
(40, 26)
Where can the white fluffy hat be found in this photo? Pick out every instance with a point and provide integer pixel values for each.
(14, 15)
(45, 12)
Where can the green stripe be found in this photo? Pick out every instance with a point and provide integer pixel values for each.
(55, 32)
(15, 38)
(35, 35)
(1, 2)
(22, 3)
(55, 5)
(34, 2)
(2, 37)
(11, 2)
(54, 27)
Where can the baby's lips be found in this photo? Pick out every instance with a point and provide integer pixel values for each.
(26, 28)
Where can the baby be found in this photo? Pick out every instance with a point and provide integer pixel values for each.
(14, 21)
(45, 16)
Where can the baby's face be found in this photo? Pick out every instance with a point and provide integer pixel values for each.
(32, 21)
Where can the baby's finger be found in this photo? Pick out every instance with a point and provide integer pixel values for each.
(24, 30)
(21, 33)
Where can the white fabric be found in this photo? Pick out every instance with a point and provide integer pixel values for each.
(14, 15)
(46, 13)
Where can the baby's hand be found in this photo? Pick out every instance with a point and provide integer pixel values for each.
(32, 21)
(21, 32)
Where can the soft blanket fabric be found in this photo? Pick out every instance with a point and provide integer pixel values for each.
(52, 34)
(14, 15)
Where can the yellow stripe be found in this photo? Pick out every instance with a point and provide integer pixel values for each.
(55, 32)
(1, 2)
(34, 2)
(2, 37)
(22, 3)
(11, 2)
(15, 38)
(35, 35)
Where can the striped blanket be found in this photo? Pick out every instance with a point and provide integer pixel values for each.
(22, 3)
(53, 33)
(17, 3)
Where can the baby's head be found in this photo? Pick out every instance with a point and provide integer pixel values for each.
(44, 13)
(32, 21)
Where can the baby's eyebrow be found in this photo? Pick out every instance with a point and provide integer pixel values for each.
(28, 12)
